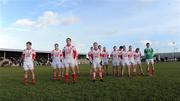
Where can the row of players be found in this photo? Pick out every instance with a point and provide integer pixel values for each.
(99, 59)
(67, 58)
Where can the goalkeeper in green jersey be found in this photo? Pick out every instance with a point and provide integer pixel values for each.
(148, 52)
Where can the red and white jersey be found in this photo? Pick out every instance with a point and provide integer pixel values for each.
(101, 56)
(28, 55)
(120, 55)
(137, 55)
(125, 55)
(105, 55)
(90, 55)
(56, 55)
(69, 52)
(96, 55)
(115, 55)
(131, 55)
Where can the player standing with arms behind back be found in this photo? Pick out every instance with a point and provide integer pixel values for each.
(120, 60)
(57, 65)
(148, 52)
(69, 53)
(115, 61)
(28, 57)
(131, 60)
(137, 57)
(125, 61)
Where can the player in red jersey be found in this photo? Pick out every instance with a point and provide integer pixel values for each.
(69, 53)
(28, 57)
(137, 57)
(131, 60)
(120, 60)
(105, 60)
(57, 65)
(115, 61)
(125, 61)
(96, 57)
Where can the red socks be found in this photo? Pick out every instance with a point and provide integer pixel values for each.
(54, 77)
(25, 81)
(66, 78)
(33, 81)
(59, 77)
(74, 77)
(152, 72)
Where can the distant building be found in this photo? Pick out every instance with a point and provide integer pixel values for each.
(13, 57)
(171, 56)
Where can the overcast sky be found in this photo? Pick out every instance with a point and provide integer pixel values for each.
(108, 22)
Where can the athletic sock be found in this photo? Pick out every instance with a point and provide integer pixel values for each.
(59, 77)
(74, 77)
(54, 77)
(25, 81)
(66, 78)
(152, 72)
(33, 81)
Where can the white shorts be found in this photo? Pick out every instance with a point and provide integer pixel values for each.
(28, 65)
(125, 63)
(149, 61)
(132, 62)
(105, 62)
(96, 64)
(56, 65)
(69, 62)
(115, 62)
(138, 62)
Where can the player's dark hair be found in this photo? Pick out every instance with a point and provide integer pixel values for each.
(95, 43)
(68, 39)
(121, 47)
(148, 43)
(137, 49)
(56, 44)
(29, 43)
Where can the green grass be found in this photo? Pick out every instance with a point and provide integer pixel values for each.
(164, 87)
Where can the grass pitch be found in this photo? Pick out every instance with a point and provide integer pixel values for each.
(164, 87)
